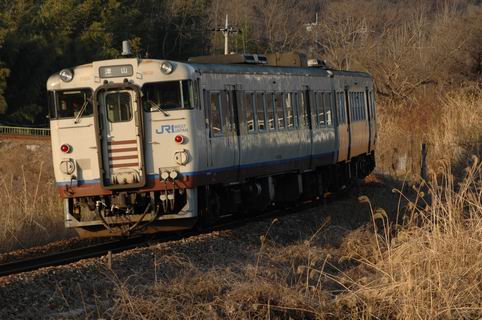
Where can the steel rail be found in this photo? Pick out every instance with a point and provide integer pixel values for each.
(74, 255)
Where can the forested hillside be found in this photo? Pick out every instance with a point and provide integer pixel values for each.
(417, 50)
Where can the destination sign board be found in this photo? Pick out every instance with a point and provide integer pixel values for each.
(116, 71)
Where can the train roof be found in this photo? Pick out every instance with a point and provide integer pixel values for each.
(267, 69)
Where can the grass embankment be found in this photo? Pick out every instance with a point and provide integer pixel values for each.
(31, 210)
(428, 265)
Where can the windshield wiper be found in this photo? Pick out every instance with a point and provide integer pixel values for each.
(81, 112)
(158, 107)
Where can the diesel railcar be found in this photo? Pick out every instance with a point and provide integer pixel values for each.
(144, 145)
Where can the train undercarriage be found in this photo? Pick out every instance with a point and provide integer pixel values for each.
(125, 213)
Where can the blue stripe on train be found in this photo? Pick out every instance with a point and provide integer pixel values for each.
(198, 173)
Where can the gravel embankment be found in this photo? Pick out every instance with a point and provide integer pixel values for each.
(89, 289)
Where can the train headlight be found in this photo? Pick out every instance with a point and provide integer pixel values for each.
(173, 174)
(66, 75)
(164, 175)
(167, 67)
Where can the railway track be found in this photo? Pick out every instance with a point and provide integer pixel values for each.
(74, 255)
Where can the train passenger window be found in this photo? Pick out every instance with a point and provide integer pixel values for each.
(195, 94)
(372, 105)
(270, 111)
(301, 110)
(341, 108)
(328, 107)
(320, 113)
(290, 118)
(118, 106)
(167, 95)
(296, 111)
(280, 116)
(353, 107)
(260, 113)
(215, 112)
(226, 112)
(363, 105)
(360, 105)
(71, 103)
(248, 105)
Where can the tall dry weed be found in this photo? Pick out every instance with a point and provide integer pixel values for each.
(449, 124)
(31, 210)
(432, 268)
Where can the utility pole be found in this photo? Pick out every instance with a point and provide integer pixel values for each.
(226, 31)
(313, 27)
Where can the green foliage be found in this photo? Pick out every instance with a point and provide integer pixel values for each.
(39, 38)
(3, 84)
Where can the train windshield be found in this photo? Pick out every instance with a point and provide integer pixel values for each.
(167, 95)
(72, 104)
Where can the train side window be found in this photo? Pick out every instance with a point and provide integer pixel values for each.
(328, 108)
(372, 104)
(320, 109)
(296, 109)
(279, 111)
(341, 108)
(290, 118)
(226, 112)
(363, 104)
(215, 112)
(302, 110)
(260, 112)
(360, 109)
(248, 105)
(195, 94)
(270, 111)
(353, 106)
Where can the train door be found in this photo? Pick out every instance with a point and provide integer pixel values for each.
(343, 128)
(232, 119)
(348, 124)
(120, 126)
(223, 142)
(306, 98)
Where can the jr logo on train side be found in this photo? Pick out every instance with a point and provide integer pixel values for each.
(172, 128)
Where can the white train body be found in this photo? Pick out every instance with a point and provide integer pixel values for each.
(157, 144)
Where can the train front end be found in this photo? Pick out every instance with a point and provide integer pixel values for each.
(123, 138)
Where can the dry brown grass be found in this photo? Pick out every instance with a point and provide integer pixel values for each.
(31, 210)
(432, 268)
(450, 124)
(426, 266)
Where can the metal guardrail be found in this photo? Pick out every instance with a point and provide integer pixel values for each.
(24, 131)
